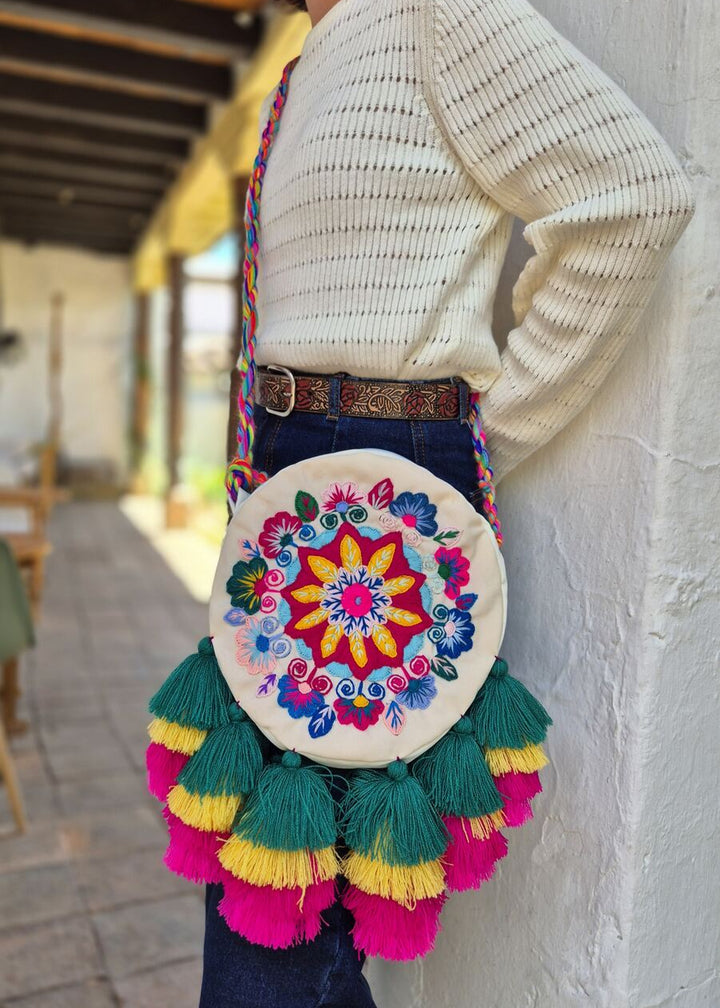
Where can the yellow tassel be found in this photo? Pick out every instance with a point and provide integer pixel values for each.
(210, 813)
(280, 869)
(526, 760)
(401, 883)
(483, 827)
(175, 737)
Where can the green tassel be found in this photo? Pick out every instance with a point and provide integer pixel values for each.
(290, 809)
(387, 815)
(455, 776)
(228, 762)
(195, 695)
(505, 714)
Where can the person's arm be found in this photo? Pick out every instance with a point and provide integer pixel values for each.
(554, 141)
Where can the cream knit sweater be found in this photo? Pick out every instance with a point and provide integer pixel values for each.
(413, 131)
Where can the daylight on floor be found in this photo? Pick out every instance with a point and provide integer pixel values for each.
(127, 135)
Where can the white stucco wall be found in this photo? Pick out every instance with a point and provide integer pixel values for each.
(610, 898)
(96, 348)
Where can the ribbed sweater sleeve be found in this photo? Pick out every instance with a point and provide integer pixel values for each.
(554, 141)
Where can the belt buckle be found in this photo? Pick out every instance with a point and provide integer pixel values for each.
(279, 369)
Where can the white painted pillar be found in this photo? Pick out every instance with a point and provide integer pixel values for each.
(611, 898)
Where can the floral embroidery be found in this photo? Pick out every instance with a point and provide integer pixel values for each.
(299, 698)
(259, 643)
(332, 609)
(278, 533)
(452, 631)
(341, 496)
(415, 511)
(419, 693)
(247, 584)
(360, 711)
(357, 602)
(454, 569)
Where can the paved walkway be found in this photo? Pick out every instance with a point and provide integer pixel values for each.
(89, 916)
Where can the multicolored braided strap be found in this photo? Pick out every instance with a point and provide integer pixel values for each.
(240, 473)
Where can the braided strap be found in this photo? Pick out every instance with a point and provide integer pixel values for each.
(240, 472)
(484, 469)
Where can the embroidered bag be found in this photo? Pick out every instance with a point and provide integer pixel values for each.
(357, 611)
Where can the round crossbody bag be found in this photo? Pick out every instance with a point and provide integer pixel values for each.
(347, 728)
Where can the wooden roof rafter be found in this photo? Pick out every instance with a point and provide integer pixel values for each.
(115, 66)
(195, 29)
(100, 104)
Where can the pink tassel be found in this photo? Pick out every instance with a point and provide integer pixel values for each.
(517, 811)
(470, 861)
(388, 929)
(193, 853)
(163, 768)
(518, 786)
(275, 918)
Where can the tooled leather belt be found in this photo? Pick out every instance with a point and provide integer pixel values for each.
(281, 391)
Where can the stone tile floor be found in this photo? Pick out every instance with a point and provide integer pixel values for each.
(89, 916)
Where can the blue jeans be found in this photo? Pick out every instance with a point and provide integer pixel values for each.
(326, 972)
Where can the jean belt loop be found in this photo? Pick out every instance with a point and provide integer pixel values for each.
(463, 401)
(334, 397)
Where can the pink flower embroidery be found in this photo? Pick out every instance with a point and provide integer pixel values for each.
(341, 496)
(453, 568)
(278, 533)
(360, 711)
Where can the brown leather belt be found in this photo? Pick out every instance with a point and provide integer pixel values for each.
(281, 391)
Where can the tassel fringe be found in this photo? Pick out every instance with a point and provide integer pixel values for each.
(390, 930)
(404, 884)
(261, 866)
(470, 860)
(192, 853)
(275, 918)
(163, 766)
(176, 737)
(204, 812)
(268, 831)
(528, 760)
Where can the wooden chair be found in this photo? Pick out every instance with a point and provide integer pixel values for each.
(23, 512)
(16, 634)
(9, 775)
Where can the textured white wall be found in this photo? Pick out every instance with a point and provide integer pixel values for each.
(610, 899)
(96, 348)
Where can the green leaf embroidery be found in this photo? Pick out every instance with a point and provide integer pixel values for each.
(443, 668)
(306, 507)
(446, 535)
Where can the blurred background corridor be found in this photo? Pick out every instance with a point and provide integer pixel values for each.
(127, 134)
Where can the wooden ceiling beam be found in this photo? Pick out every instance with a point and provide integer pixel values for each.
(69, 193)
(43, 133)
(94, 107)
(127, 222)
(188, 28)
(26, 162)
(44, 230)
(234, 5)
(114, 66)
(16, 231)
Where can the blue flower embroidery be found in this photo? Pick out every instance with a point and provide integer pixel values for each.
(415, 511)
(452, 633)
(298, 698)
(419, 693)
